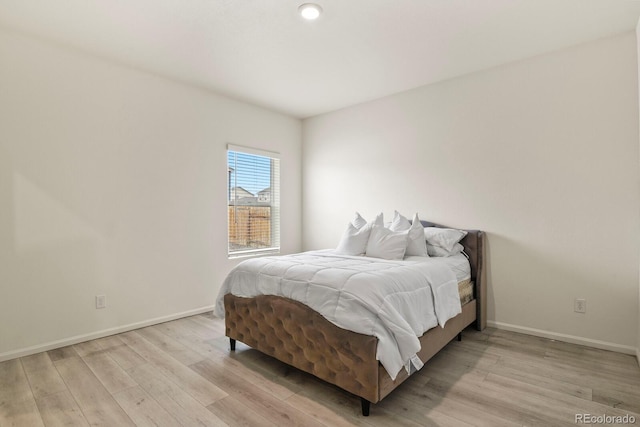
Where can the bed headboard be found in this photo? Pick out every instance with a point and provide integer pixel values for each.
(474, 243)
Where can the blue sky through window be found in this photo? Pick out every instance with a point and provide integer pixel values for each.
(249, 171)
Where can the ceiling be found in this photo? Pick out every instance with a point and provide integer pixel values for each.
(262, 52)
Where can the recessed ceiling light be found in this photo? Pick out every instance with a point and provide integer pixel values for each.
(310, 11)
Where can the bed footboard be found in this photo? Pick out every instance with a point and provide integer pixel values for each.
(295, 334)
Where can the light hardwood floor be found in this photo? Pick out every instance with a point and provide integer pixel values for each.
(181, 373)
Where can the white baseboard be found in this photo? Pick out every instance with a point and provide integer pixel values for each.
(98, 334)
(604, 345)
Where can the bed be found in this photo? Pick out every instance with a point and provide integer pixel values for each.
(299, 336)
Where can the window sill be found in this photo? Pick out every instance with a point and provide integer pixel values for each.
(254, 254)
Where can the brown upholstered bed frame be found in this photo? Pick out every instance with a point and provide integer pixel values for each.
(299, 336)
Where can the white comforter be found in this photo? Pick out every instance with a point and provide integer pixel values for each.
(395, 301)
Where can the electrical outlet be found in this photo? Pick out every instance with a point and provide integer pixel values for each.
(101, 301)
(580, 305)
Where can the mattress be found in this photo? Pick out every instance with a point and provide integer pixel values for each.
(465, 289)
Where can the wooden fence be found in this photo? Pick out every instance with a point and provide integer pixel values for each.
(249, 227)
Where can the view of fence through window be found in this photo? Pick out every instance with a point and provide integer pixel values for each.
(253, 202)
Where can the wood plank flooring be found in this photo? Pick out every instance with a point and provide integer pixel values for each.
(181, 373)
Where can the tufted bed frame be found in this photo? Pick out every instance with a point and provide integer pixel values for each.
(297, 335)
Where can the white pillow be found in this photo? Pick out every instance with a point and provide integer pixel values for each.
(446, 238)
(386, 244)
(359, 222)
(416, 244)
(379, 220)
(354, 241)
(437, 251)
(399, 223)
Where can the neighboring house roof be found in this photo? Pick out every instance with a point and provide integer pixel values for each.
(241, 197)
(240, 193)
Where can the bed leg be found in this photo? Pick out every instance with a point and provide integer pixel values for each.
(460, 336)
(366, 405)
(232, 343)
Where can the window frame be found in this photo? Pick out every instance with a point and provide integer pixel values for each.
(274, 183)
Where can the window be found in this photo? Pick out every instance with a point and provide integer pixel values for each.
(253, 194)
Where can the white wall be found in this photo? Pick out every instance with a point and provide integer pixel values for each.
(542, 154)
(638, 64)
(113, 181)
